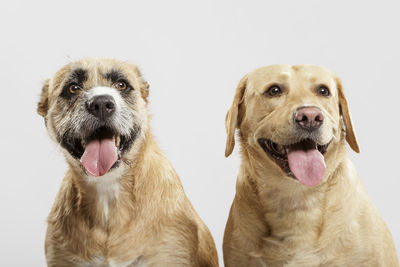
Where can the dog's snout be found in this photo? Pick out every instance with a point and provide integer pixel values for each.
(102, 106)
(309, 118)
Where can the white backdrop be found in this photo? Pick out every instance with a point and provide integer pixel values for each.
(192, 53)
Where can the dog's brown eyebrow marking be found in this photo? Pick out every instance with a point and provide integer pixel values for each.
(115, 75)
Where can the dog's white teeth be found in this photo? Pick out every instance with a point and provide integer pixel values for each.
(83, 143)
(117, 141)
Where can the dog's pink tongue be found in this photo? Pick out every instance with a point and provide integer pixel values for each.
(307, 165)
(99, 156)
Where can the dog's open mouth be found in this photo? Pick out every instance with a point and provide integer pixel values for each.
(100, 151)
(303, 160)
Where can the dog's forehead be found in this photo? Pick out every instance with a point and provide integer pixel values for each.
(100, 64)
(273, 72)
(100, 68)
(289, 74)
(92, 70)
(311, 73)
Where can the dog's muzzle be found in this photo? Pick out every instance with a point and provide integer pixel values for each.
(98, 142)
(304, 158)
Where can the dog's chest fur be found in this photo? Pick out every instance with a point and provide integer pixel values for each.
(293, 220)
(106, 190)
(97, 230)
(302, 225)
(101, 262)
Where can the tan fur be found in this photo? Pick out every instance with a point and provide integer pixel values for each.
(274, 219)
(148, 221)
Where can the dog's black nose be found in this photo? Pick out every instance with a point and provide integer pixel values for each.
(309, 118)
(101, 106)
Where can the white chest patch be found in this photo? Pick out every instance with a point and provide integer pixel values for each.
(107, 188)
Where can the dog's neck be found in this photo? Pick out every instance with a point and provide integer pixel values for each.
(101, 197)
(281, 203)
(105, 189)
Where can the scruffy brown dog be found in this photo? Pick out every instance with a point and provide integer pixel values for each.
(121, 202)
(299, 200)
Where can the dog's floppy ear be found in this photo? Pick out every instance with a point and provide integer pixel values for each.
(344, 111)
(232, 120)
(43, 105)
(144, 87)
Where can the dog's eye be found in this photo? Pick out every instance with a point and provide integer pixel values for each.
(73, 88)
(323, 90)
(273, 90)
(120, 85)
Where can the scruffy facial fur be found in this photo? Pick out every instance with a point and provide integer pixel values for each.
(136, 212)
(274, 219)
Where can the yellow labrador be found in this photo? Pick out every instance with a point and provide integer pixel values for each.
(121, 202)
(299, 200)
